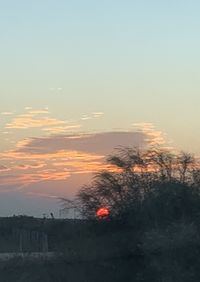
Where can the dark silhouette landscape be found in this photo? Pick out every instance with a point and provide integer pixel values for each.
(151, 232)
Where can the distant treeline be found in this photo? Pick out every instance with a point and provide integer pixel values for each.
(29, 234)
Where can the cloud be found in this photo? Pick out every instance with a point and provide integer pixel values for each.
(86, 117)
(154, 137)
(7, 113)
(97, 114)
(61, 161)
(62, 129)
(56, 89)
(97, 143)
(21, 180)
(39, 112)
(34, 119)
(93, 115)
(4, 168)
(56, 158)
(29, 166)
(40, 119)
(65, 188)
(28, 121)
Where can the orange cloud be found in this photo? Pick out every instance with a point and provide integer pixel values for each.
(61, 129)
(40, 119)
(28, 121)
(154, 136)
(56, 158)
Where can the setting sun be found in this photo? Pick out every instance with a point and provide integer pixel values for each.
(102, 212)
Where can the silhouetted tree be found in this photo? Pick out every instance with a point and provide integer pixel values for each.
(133, 177)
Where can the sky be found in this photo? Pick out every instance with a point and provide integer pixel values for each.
(80, 78)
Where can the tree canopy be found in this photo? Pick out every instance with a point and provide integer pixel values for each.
(138, 179)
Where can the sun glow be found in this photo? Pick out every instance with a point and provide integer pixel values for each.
(102, 212)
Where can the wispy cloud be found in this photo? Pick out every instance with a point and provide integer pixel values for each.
(4, 168)
(57, 89)
(42, 120)
(33, 119)
(62, 129)
(97, 114)
(91, 116)
(86, 117)
(25, 122)
(7, 113)
(31, 166)
(39, 112)
(154, 136)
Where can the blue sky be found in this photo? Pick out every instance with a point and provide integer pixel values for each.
(86, 67)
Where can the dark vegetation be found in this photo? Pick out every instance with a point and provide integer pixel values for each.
(152, 233)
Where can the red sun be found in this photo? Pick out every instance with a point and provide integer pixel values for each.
(102, 212)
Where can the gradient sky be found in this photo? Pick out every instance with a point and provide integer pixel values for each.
(79, 78)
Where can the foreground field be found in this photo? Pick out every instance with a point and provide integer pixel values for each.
(107, 252)
(61, 271)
